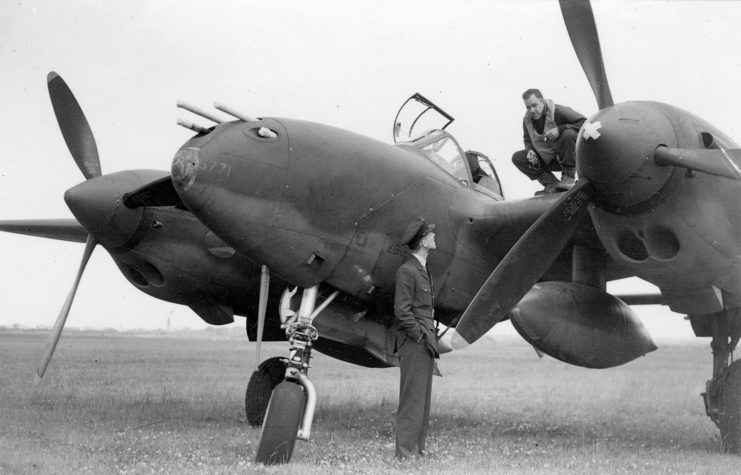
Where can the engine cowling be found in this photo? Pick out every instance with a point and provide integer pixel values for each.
(580, 325)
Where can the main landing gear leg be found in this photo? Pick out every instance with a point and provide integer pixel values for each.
(723, 394)
(291, 409)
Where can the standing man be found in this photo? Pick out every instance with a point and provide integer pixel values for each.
(416, 340)
(550, 132)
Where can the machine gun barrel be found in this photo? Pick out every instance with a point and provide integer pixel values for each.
(198, 111)
(233, 112)
(194, 127)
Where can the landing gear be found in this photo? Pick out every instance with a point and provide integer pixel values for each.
(723, 395)
(262, 382)
(290, 412)
(282, 420)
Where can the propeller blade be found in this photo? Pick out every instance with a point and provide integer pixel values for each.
(523, 265)
(579, 20)
(56, 332)
(60, 229)
(718, 162)
(261, 310)
(75, 128)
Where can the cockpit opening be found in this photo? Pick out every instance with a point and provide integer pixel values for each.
(420, 124)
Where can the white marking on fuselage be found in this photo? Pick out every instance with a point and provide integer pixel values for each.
(591, 130)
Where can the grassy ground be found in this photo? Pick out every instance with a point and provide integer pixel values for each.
(120, 404)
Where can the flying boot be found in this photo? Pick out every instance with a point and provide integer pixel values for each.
(549, 182)
(568, 179)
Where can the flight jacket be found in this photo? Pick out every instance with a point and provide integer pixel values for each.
(414, 305)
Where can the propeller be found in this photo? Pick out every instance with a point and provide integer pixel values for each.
(261, 310)
(81, 144)
(521, 267)
(718, 162)
(74, 126)
(579, 20)
(582, 29)
(56, 332)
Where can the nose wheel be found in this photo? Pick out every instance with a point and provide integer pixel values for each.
(282, 420)
(290, 412)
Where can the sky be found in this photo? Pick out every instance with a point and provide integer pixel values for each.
(348, 64)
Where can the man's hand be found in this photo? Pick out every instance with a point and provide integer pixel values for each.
(552, 135)
(532, 157)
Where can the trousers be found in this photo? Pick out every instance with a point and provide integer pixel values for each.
(565, 159)
(415, 390)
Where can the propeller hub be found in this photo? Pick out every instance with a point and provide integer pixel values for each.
(97, 205)
(615, 151)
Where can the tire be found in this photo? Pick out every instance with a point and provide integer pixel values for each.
(282, 420)
(730, 406)
(262, 382)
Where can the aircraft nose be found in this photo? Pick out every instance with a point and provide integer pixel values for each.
(243, 156)
(235, 180)
(615, 152)
(236, 172)
(97, 205)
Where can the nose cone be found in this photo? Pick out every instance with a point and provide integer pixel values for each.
(233, 179)
(615, 152)
(97, 205)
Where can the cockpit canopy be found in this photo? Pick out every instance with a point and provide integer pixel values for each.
(417, 116)
(420, 124)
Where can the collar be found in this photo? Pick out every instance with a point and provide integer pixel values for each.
(422, 259)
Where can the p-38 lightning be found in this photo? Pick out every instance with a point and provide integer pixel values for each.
(321, 210)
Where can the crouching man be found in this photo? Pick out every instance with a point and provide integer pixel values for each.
(550, 132)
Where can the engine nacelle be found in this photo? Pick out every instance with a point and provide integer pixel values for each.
(580, 325)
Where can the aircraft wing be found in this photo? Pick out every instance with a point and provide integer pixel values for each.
(60, 229)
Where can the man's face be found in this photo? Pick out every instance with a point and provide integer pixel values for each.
(428, 240)
(534, 106)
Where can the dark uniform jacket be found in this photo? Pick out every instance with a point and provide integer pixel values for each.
(413, 305)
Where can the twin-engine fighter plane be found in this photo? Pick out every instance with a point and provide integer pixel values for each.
(322, 210)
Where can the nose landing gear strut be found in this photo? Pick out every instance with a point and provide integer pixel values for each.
(290, 412)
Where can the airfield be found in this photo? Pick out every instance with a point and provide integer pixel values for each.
(159, 402)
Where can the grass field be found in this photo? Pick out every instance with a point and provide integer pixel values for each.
(116, 403)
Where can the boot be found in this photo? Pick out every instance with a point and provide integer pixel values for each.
(549, 181)
(568, 179)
